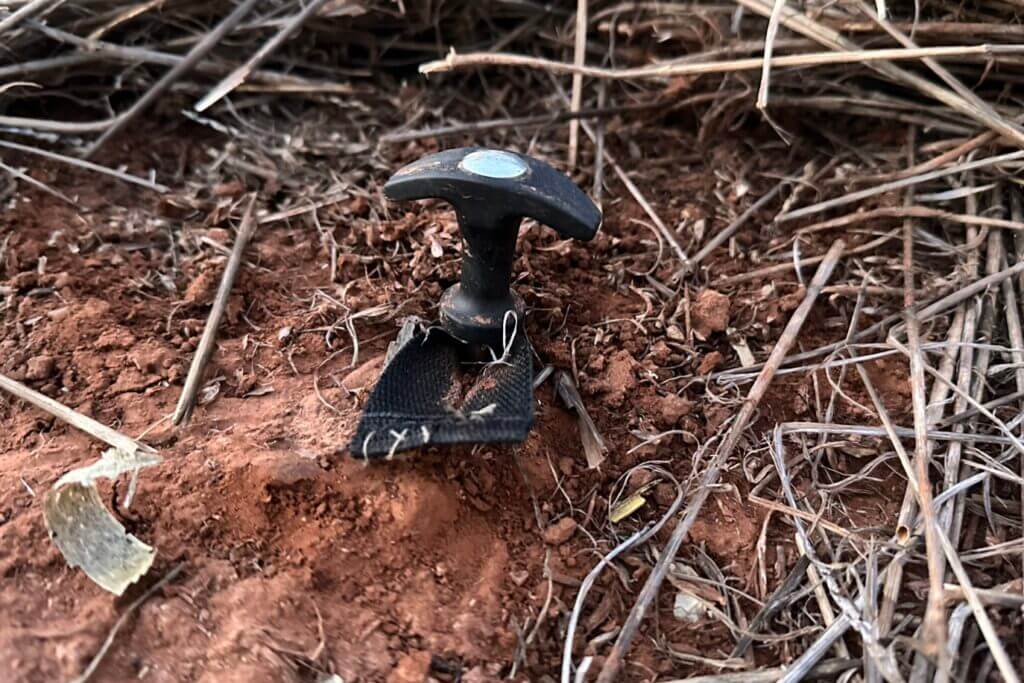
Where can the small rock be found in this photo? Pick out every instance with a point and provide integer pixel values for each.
(660, 353)
(709, 313)
(561, 531)
(673, 408)
(618, 378)
(709, 362)
(675, 334)
(62, 280)
(284, 470)
(412, 668)
(59, 313)
(688, 607)
(40, 367)
(519, 577)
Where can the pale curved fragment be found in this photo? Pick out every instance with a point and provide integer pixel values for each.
(87, 534)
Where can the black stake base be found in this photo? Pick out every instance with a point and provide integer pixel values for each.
(418, 402)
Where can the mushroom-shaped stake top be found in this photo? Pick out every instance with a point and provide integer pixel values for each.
(492, 191)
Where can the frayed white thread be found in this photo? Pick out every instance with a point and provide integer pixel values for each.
(427, 330)
(366, 446)
(486, 411)
(507, 340)
(399, 438)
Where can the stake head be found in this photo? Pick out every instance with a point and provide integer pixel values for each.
(492, 191)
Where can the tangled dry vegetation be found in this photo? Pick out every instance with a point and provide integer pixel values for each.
(876, 206)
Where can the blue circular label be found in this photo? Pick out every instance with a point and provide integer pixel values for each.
(491, 163)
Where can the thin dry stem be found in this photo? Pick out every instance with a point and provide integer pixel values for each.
(206, 343)
(613, 663)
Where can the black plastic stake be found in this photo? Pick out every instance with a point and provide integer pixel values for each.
(492, 191)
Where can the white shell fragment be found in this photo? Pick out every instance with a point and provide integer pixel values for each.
(85, 532)
(688, 607)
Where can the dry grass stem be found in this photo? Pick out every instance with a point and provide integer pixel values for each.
(220, 302)
(88, 425)
(613, 663)
(477, 59)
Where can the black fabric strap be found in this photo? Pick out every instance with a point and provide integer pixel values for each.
(410, 406)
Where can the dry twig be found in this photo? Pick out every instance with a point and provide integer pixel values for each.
(88, 425)
(206, 343)
(613, 663)
(197, 53)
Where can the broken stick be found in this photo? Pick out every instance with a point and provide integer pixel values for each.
(194, 56)
(610, 670)
(74, 418)
(239, 75)
(220, 303)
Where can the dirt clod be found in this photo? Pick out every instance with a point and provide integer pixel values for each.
(561, 531)
(412, 668)
(709, 363)
(673, 408)
(200, 290)
(40, 367)
(710, 313)
(152, 357)
(618, 378)
(716, 417)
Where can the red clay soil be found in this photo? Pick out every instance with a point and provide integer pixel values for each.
(298, 560)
